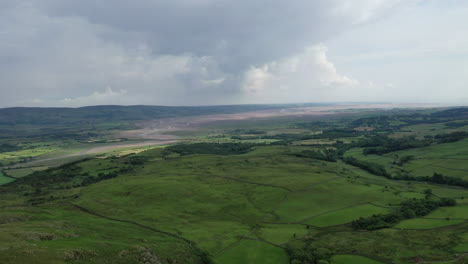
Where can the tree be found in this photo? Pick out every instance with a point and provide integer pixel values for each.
(428, 193)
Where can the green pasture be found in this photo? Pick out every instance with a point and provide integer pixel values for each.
(249, 251)
(231, 206)
(422, 130)
(462, 246)
(426, 223)
(346, 215)
(456, 212)
(211, 211)
(353, 259)
(61, 234)
(330, 196)
(394, 246)
(280, 234)
(4, 179)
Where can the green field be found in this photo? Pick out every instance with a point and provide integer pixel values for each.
(246, 191)
(350, 259)
(281, 234)
(426, 223)
(346, 215)
(4, 179)
(249, 251)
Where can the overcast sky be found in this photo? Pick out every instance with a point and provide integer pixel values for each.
(204, 52)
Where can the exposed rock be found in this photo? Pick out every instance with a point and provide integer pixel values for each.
(77, 254)
(142, 255)
(13, 218)
(38, 236)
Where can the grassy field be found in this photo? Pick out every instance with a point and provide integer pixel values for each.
(346, 215)
(4, 179)
(249, 251)
(426, 223)
(448, 159)
(239, 205)
(280, 234)
(353, 259)
(215, 199)
(457, 212)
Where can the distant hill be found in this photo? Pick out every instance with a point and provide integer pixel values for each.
(112, 113)
(452, 113)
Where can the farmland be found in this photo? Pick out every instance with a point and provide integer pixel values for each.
(308, 189)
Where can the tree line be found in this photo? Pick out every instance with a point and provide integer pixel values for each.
(408, 209)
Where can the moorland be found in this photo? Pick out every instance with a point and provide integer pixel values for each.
(234, 184)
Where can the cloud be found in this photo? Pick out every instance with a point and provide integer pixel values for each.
(299, 77)
(108, 96)
(216, 51)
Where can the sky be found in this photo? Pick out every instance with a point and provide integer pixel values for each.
(210, 52)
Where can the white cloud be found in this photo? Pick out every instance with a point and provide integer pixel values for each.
(108, 96)
(299, 77)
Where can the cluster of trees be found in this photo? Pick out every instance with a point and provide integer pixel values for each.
(456, 124)
(442, 179)
(370, 167)
(381, 144)
(312, 125)
(380, 170)
(248, 131)
(136, 160)
(451, 137)
(403, 160)
(408, 209)
(308, 254)
(212, 148)
(6, 147)
(66, 176)
(101, 177)
(328, 134)
(325, 154)
(50, 177)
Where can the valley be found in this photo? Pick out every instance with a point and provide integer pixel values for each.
(327, 185)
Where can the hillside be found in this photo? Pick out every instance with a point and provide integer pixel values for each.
(115, 113)
(257, 195)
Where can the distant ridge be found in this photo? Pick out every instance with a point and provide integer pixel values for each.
(112, 113)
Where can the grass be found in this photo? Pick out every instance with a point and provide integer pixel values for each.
(213, 215)
(462, 246)
(346, 215)
(330, 196)
(4, 179)
(214, 200)
(353, 259)
(394, 246)
(426, 223)
(458, 212)
(61, 234)
(249, 251)
(449, 159)
(280, 234)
